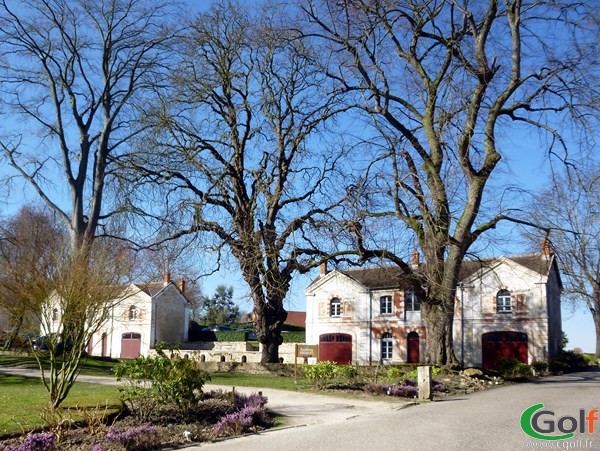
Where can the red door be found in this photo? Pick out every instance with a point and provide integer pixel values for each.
(131, 344)
(503, 345)
(412, 347)
(335, 348)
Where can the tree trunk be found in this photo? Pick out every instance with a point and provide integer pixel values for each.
(596, 317)
(438, 319)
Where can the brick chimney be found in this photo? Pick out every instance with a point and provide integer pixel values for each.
(323, 268)
(182, 285)
(546, 248)
(167, 277)
(415, 259)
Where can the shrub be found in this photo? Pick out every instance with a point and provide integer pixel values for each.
(540, 366)
(394, 375)
(320, 373)
(514, 368)
(134, 438)
(346, 373)
(156, 382)
(567, 361)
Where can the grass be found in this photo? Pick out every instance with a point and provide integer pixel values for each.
(91, 366)
(22, 400)
(259, 381)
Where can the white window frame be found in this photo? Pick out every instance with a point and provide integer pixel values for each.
(503, 301)
(335, 308)
(386, 307)
(133, 313)
(387, 346)
(410, 299)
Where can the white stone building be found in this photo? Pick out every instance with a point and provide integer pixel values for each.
(148, 314)
(511, 309)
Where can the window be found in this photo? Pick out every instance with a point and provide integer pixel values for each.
(133, 313)
(54, 314)
(386, 346)
(385, 305)
(335, 307)
(411, 301)
(503, 304)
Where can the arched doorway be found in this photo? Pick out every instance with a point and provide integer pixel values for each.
(131, 344)
(412, 348)
(503, 345)
(335, 348)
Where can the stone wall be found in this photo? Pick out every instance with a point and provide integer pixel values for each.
(233, 351)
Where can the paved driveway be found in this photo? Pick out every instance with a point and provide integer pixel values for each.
(482, 421)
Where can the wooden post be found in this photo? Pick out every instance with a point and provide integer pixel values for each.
(425, 384)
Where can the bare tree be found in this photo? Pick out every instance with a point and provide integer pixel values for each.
(245, 160)
(76, 75)
(64, 299)
(570, 208)
(442, 83)
(27, 240)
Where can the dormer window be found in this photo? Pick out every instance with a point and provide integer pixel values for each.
(503, 302)
(133, 313)
(335, 307)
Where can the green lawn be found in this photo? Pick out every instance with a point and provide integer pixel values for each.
(22, 400)
(91, 366)
(259, 380)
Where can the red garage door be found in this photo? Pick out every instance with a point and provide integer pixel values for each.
(335, 348)
(131, 344)
(503, 345)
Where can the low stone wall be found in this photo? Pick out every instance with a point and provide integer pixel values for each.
(233, 352)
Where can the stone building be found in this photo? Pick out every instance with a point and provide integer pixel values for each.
(148, 314)
(506, 307)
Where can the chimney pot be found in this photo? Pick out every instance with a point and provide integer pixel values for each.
(415, 258)
(182, 285)
(167, 277)
(546, 247)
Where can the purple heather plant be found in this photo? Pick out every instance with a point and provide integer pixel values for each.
(41, 441)
(253, 400)
(139, 437)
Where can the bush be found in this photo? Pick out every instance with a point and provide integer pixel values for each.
(346, 373)
(511, 368)
(394, 375)
(157, 382)
(320, 373)
(540, 366)
(567, 361)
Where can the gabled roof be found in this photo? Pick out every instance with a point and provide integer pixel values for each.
(154, 288)
(386, 277)
(534, 262)
(381, 277)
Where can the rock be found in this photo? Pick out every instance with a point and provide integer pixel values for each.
(473, 372)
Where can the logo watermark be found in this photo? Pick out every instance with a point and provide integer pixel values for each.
(543, 425)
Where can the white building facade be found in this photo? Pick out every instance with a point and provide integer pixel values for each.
(507, 307)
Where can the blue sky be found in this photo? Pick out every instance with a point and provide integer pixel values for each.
(527, 167)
